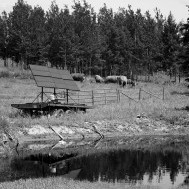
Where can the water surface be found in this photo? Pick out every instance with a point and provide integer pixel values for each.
(155, 161)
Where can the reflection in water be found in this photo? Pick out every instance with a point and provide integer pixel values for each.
(129, 166)
(164, 167)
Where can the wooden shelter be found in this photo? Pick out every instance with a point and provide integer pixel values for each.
(55, 79)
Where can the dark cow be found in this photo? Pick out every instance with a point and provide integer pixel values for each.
(78, 77)
(111, 79)
(131, 82)
(99, 79)
(122, 80)
(187, 79)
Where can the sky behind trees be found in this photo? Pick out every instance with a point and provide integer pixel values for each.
(177, 7)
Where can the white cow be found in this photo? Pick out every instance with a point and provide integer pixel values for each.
(122, 80)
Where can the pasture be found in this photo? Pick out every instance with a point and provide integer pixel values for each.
(20, 88)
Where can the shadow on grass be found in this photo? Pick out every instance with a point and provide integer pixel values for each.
(186, 93)
(186, 108)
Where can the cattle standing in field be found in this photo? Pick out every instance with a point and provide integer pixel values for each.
(111, 79)
(78, 77)
(99, 79)
(122, 80)
(187, 79)
(131, 82)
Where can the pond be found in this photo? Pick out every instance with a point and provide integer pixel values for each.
(155, 161)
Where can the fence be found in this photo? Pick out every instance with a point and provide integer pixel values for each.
(142, 95)
(105, 96)
(160, 96)
(95, 97)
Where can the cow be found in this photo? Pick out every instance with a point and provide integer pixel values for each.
(111, 79)
(131, 82)
(122, 80)
(99, 79)
(187, 79)
(78, 77)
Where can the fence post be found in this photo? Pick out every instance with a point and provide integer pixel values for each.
(163, 93)
(139, 94)
(78, 97)
(92, 98)
(105, 97)
(118, 95)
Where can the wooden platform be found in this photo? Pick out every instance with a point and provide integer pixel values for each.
(50, 107)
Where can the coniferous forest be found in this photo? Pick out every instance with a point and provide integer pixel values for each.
(125, 42)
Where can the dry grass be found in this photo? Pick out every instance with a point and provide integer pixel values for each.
(172, 109)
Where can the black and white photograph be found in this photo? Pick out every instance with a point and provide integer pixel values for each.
(94, 94)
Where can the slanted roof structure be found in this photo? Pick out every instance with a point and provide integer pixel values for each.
(53, 78)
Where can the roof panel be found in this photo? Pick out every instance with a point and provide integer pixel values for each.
(53, 78)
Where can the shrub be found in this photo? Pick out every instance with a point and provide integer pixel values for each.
(4, 74)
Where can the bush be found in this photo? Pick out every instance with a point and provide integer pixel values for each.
(5, 74)
(15, 74)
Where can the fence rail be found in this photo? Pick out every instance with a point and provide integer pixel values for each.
(103, 96)
(95, 97)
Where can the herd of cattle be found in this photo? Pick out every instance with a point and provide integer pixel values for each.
(123, 81)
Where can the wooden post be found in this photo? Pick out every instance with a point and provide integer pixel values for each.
(105, 97)
(118, 95)
(163, 93)
(78, 97)
(139, 94)
(54, 92)
(42, 94)
(92, 98)
(67, 95)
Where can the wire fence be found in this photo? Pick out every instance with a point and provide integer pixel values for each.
(107, 96)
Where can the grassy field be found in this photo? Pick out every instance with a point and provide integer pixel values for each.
(18, 87)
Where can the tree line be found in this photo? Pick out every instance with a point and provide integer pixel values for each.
(125, 42)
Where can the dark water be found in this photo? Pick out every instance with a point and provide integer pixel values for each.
(164, 164)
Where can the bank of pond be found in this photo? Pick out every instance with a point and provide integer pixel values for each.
(161, 161)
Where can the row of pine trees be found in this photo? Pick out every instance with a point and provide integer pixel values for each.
(125, 42)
